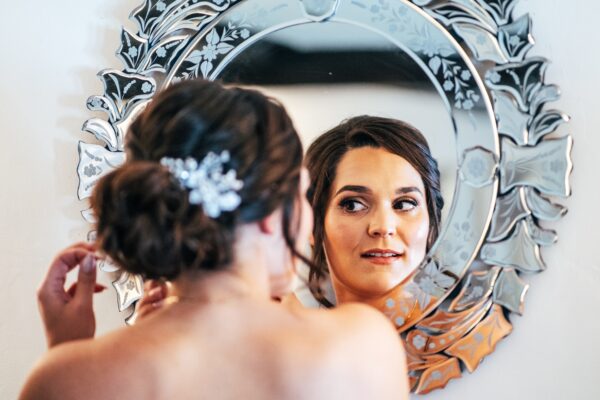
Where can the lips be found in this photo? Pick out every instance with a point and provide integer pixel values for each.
(380, 253)
(381, 256)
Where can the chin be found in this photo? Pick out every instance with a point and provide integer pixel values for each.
(383, 285)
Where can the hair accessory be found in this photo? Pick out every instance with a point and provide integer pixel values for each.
(209, 187)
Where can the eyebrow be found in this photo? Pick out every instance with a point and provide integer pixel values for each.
(366, 190)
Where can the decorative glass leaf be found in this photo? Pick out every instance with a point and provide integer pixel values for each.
(545, 94)
(107, 265)
(103, 131)
(122, 126)
(509, 210)
(543, 237)
(130, 289)
(94, 162)
(206, 67)
(478, 287)
(522, 80)
(511, 121)
(149, 14)
(500, 9)
(132, 50)
(546, 123)
(416, 362)
(443, 328)
(510, 291)
(438, 376)
(482, 340)
(188, 20)
(88, 216)
(164, 55)
(542, 207)
(101, 103)
(463, 11)
(518, 251)
(515, 38)
(481, 42)
(125, 89)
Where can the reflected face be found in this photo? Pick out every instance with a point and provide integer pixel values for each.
(376, 224)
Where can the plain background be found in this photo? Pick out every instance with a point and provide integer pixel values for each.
(50, 53)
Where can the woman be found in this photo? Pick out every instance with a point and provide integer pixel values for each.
(375, 192)
(211, 198)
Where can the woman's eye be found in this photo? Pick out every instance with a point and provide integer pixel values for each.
(405, 204)
(351, 205)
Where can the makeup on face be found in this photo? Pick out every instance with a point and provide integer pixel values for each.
(376, 225)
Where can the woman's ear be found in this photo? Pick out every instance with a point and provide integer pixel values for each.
(271, 224)
(311, 240)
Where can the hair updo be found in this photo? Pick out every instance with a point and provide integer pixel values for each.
(324, 155)
(146, 222)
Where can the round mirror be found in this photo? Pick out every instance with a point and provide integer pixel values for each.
(457, 71)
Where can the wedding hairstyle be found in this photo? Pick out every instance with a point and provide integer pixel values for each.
(146, 221)
(324, 155)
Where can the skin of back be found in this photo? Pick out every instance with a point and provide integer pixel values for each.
(226, 352)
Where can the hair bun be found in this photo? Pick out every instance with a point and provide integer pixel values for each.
(147, 225)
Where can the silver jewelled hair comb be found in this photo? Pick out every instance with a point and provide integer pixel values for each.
(208, 185)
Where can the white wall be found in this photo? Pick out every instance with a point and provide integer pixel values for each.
(48, 61)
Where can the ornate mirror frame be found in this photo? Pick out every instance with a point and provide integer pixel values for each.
(454, 308)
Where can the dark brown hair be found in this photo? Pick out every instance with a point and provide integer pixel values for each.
(324, 155)
(145, 220)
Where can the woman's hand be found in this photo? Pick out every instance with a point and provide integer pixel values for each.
(155, 292)
(69, 315)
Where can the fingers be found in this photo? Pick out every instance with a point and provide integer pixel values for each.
(73, 289)
(66, 261)
(156, 294)
(155, 290)
(86, 280)
(52, 289)
(83, 245)
(148, 308)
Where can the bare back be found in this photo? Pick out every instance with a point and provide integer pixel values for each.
(250, 349)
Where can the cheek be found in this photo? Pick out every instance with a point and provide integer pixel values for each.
(341, 237)
(419, 233)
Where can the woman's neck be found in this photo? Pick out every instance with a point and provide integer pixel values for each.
(344, 295)
(246, 277)
(259, 264)
(216, 286)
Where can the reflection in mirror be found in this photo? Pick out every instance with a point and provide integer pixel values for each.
(324, 79)
(497, 133)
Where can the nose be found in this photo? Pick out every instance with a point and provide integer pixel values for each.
(382, 224)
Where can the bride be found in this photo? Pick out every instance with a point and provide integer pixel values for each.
(212, 197)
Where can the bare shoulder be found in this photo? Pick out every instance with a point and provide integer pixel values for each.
(365, 353)
(364, 324)
(81, 369)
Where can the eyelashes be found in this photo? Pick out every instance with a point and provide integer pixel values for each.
(351, 205)
(354, 205)
(406, 204)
